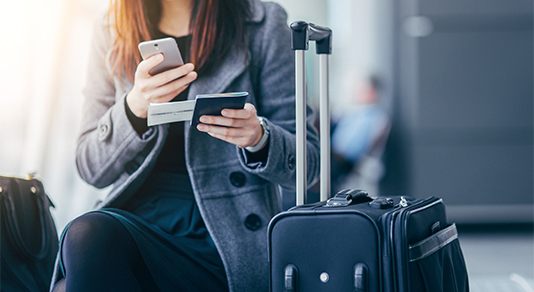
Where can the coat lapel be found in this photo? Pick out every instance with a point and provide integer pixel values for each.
(217, 80)
(232, 66)
(234, 63)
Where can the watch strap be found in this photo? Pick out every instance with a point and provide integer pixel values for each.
(264, 137)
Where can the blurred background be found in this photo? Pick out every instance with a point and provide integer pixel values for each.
(44, 55)
(428, 98)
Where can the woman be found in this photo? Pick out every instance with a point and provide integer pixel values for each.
(189, 206)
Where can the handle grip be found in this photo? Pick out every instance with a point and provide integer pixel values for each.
(302, 32)
(348, 197)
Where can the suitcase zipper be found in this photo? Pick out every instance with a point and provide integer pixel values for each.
(388, 242)
(404, 207)
(401, 222)
(404, 203)
(389, 220)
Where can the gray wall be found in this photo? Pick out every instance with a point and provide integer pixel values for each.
(458, 81)
(463, 107)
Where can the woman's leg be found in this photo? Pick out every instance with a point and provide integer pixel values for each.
(99, 254)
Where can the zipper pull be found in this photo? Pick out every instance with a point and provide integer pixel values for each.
(403, 202)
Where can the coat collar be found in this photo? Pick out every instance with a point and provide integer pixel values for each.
(233, 64)
(258, 12)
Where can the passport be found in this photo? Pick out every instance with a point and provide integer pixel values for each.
(213, 104)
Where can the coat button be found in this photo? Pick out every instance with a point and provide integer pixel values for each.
(238, 179)
(103, 130)
(253, 222)
(291, 162)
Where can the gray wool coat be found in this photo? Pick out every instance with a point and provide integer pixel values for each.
(227, 189)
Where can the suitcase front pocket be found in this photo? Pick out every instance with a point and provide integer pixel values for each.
(437, 263)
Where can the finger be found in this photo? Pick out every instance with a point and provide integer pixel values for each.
(185, 80)
(145, 65)
(174, 74)
(161, 93)
(226, 132)
(230, 135)
(241, 142)
(223, 121)
(177, 85)
(249, 111)
(220, 131)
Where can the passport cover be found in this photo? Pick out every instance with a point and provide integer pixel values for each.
(213, 104)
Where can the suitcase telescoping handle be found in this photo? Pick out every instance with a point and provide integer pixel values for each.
(301, 33)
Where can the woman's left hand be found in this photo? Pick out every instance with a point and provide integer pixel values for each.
(240, 127)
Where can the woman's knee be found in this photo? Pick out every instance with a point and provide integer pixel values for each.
(94, 226)
(97, 234)
(99, 254)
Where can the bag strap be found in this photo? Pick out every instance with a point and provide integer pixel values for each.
(428, 246)
(7, 190)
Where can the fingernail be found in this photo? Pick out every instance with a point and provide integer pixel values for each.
(203, 119)
(158, 57)
(190, 66)
(201, 127)
(225, 112)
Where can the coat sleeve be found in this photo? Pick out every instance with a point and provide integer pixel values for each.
(108, 145)
(275, 97)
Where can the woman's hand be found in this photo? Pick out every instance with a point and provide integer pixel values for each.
(240, 127)
(162, 87)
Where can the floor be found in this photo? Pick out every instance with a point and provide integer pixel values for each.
(499, 258)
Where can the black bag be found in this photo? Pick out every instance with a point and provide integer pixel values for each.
(29, 242)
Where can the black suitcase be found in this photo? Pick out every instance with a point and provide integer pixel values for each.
(355, 242)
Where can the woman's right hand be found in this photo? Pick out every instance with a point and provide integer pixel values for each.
(162, 87)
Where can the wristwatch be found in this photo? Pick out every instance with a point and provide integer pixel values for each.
(264, 137)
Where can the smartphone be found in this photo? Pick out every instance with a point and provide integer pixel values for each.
(168, 47)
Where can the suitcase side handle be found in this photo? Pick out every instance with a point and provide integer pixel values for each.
(290, 278)
(361, 273)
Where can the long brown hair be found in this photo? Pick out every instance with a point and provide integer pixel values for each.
(215, 26)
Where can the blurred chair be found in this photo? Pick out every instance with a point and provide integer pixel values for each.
(358, 141)
(357, 145)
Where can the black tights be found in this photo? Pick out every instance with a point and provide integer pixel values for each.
(99, 254)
